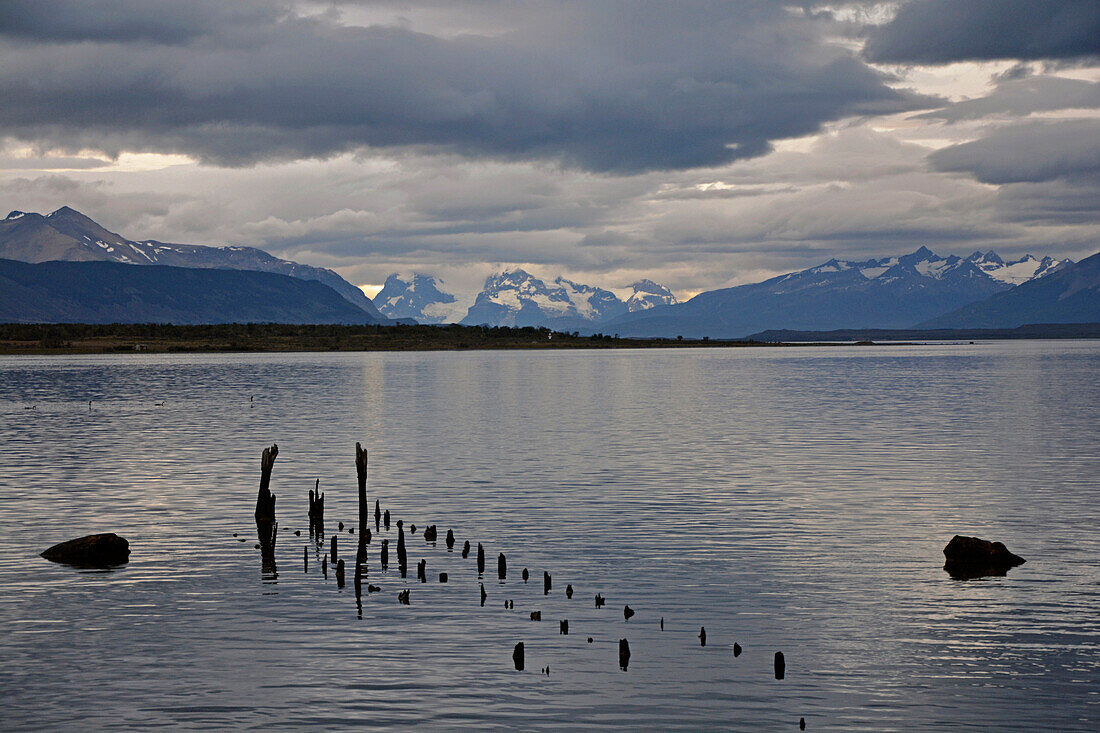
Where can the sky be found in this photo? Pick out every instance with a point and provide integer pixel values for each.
(697, 144)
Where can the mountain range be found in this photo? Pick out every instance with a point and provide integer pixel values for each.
(147, 279)
(66, 267)
(68, 235)
(892, 292)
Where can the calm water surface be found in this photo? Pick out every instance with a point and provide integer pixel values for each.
(793, 500)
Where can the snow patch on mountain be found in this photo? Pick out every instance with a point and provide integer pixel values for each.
(1018, 271)
(417, 296)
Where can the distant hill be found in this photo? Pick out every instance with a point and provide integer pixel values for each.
(1069, 295)
(893, 292)
(68, 235)
(1029, 331)
(109, 292)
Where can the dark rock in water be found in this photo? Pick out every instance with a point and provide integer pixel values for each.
(628, 612)
(297, 533)
(971, 557)
(624, 654)
(421, 571)
(94, 550)
(590, 640)
(736, 649)
(780, 666)
(372, 588)
(517, 657)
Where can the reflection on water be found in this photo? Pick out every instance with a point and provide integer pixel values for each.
(792, 501)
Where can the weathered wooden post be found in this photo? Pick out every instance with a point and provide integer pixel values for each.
(450, 540)
(600, 601)
(402, 556)
(780, 666)
(466, 550)
(385, 554)
(316, 510)
(324, 566)
(265, 500)
(266, 526)
(386, 520)
(525, 575)
(361, 475)
(430, 533)
(421, 571)
(340, 574)
(563, 627)
(332, 551)
(702, 636)
(403, 597)
(484, 595)
(569, 591)
(502, 567)
(377, 514)
(624, 654)
(305, 559)
(545, 583)
(517, 657)
(480, 560)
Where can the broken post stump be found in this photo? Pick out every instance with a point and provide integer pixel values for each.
(385, 558)
(624, 654)
(780, 666)
(600, 601)
(340, 574)
(442, 577)
(702, 636)
(403, 597)
(545, 583)
(563, 627)
(517, 657)
(569, 591)
(332, 550)
(502, 567)
(536, 615)
(421, 571)
(466, 550)
(628, 612)
(480, 560)
(377, 514)
(484, 595)
(525, 575)
(361, 477)
(450, 540)
(736, 649)
(386, 519)
(265, 500)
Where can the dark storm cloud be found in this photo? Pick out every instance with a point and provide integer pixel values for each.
(943, 31)
(609, 86)
(1028, 153)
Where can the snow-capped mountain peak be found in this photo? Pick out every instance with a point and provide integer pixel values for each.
(417, 296)
(515, 297)
(648, 294)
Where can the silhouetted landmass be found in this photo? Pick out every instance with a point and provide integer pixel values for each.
(48, 338)
(109, 292)
(1032, 331)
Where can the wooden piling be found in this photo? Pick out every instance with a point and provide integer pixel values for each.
(526, 575)
(702, 636)
(628, 612)
(386, 519)
(450, 540)
(466, 550)
(569, 592)
(361, 477)
(736, 649)
(377, 514)
(484, 595)
(385, 554)
(563, 627)
(502, 567)
(545, 583)
(780, 666)
(624, 654)
(422, 571)
(517, 657)
(265, 500)
(403, 597)
(340, 574)
(480, 560)
(333, 550)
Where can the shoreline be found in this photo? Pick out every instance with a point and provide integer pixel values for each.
(64, 339)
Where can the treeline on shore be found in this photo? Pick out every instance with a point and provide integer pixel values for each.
(45, 338)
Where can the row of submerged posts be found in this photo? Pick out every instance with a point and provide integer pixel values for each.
(267, 528)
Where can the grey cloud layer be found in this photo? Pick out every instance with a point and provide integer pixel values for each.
(606, 86)
(942, 31)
